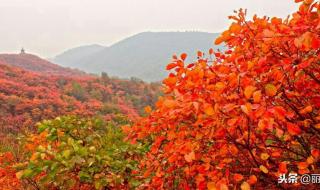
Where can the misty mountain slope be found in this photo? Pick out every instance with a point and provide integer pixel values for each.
(145, 55)
(75, 55)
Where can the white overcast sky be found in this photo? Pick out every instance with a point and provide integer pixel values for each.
(48, 27)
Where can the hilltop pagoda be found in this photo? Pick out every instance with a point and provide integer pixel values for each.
(22, 51)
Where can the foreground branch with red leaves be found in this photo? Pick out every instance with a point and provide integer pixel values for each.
(244, 118)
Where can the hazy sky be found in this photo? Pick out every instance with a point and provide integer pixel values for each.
(48, 27)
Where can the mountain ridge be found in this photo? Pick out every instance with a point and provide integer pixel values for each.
(144, 55)
(33, 63)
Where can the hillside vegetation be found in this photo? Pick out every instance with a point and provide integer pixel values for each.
(247, 117)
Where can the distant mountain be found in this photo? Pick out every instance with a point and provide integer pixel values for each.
(144, 55)
(75, 55)
(34, 63)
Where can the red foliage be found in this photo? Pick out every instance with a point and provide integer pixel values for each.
(28, 97)
(8, 179)
(246, 117)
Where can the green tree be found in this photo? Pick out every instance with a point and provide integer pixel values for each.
(78, 152)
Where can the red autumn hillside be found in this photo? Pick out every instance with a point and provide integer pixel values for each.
(28, 97)
(34, 63)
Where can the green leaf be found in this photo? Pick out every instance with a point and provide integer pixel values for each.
(66, 154)
(84, 176)
(27, 173)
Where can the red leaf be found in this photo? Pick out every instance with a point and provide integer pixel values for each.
(293, 129)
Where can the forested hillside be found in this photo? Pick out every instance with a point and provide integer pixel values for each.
(28, 97)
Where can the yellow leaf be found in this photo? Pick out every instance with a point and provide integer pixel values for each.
(219, 85)
(263, 169)
(264, 156)
(271, 90)
(245, 186)
(19, 174)
(248, 91)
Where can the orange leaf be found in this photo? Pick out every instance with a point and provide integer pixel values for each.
(190, 157)
(211, 186)
(238, 177)
(170, 81)
(267, 33)
(208, 109)
(248, 91)
(271, 90)
(276, 20)
(310, 160)
(302, 165)
(169, 103)
(257, 96)
(305, 110)
(252, 179)
(183, 56)
(235, 28)
(147, 109)
(218, 40)
(126, 129)
(246, 108)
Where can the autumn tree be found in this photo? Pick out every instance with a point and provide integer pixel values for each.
(240, 118)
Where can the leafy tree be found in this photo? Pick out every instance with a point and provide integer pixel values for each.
(72, 152)
(240, 118)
